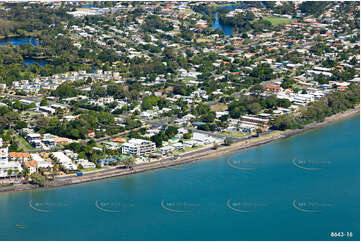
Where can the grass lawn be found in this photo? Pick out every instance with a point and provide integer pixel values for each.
(83, 9)
(187, 79)
(89, 169)
(268, 135)
(24, 143)
(278, 20)
(201, 40)
(234, 134)
(186, 149)
(219, 107)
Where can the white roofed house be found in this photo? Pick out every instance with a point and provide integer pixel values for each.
(178, 146)
(63, 160)
(111, 145)
(203, 139)
(302, 99)
(166, 150)
(47, 110)
(41, 162)
(34, 140)
(32, 137)
(50, 143)
(149, 114)
(86, 164)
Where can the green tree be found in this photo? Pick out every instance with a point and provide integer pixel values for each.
(254, 108)
(38, 179)
(10, 172)
(44, 102)
(228, 141)
(129, 162)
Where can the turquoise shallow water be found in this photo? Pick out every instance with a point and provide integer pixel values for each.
(269, 198)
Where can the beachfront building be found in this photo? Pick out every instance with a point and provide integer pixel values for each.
(32, 166)
(166, 150)
(8, 168)
(4, 153)
(86, 164)
(63, 160)
(262, 122)
(138, 147)
(44, 164)
(204, 139)
(12, 166)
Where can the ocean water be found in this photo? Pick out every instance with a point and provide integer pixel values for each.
(301, 188)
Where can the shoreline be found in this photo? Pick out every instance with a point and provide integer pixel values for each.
(206, 154)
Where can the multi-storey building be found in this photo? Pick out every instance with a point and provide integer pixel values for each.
(138, 147)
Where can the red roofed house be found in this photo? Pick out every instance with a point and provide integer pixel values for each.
(91, 133)
(273, 88)
(341, 88)
(32, 165)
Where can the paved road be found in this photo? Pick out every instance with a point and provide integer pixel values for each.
(158, 123)
(99, 173)
(189, 154)
(33, 99)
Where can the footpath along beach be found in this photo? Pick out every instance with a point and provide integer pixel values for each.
(204, 153)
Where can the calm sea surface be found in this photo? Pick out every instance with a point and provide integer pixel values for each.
(300, 188)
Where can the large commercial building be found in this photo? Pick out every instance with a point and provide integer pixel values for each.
(138, 147)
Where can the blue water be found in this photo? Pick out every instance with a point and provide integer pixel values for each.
(21, 41)
(195, 197)
(18, 41)
(87, 6)
(232, 7)
(32, 61)
(227, 29)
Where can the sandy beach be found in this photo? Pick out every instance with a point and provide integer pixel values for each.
(202, 154)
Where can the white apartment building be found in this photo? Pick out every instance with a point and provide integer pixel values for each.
(6, 165)
(11, 165)
(138, 147)
(65, 161)
(4, 155)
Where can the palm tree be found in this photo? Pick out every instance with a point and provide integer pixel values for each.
(129, 162)
(10, 171)
(16, 173)
(258, 131)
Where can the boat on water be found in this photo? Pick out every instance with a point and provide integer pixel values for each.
(20, 226)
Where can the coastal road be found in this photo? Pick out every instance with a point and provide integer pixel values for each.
(168, 159)
(105, 171)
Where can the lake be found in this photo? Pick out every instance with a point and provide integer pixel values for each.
(29, 61)
(227, 29)
(301, 188)
(19, 41)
